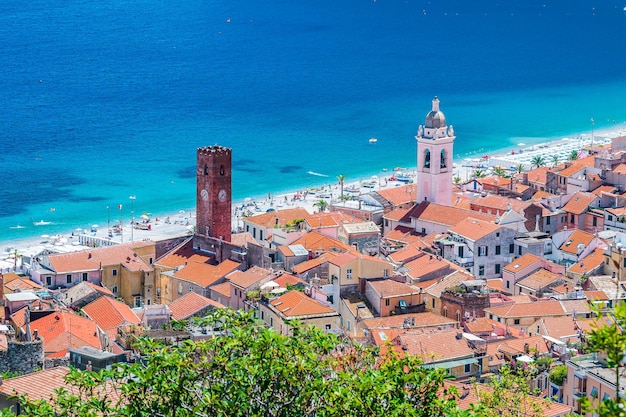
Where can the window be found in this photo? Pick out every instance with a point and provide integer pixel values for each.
(69, 278)
(548, 220)
(460, 251)
(254, 232)
(149, 301)
(458, 316)
(445, 311)
(594, 392)
(262, 315)
(423, 230)
(348, 325)
(260, 234)
(191, 288)
(137, 301)
(114, 289)
(610, 218)
(349, 273)
(247, 228)
(386, 273)
(516, 321)
(519, 250)
(508, 284)
(497, 234)
(158, 292)
(511, 247)
(468, 368)
(483, 251)
(386, 222)
(594, 221)
(433, 303)
(328, 327)
(498, 250)
(114, 272)
(180, 287)
(571, 217)
(48, 281)
(481, 270)
(498, 269)
(387, 302)
(84, 276)
(271, 321)
(442, 164)
(150, 261)
(427, 159)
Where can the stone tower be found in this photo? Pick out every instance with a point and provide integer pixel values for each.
(435, 141)
(213, 192)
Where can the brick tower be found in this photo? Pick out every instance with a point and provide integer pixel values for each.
(434, 158)
(213, 192)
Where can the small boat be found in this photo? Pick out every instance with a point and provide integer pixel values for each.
(373, 140)
(42, 223)
(17, 227)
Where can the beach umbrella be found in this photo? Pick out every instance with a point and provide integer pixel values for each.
(94, 226)
(78, 229)
(521, 144)
(45, 236)
(145, 216)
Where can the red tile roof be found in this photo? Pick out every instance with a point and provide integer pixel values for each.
(580, 202)
(181, 254)
(296, 304)
(444, 215)
(190, 304)
(522, 262)
(223, 288)
(109, 313)
(39, 385)
(435, 346)
(278, 217)
(398, 195)
(538, 309)
(329, 219)
(590, 263)
(474, 229)
(95, 258)
(204, 274)
(246, 279)
(578, 237)
(63, 330)
(390, 288)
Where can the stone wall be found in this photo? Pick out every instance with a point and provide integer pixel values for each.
(22, 357)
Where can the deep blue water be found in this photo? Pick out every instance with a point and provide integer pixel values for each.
(101, 100)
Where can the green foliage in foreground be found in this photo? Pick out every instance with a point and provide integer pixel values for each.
(253, 371)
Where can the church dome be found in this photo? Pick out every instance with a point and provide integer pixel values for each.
(435, 118)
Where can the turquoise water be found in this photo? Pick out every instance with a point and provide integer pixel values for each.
(105, 100)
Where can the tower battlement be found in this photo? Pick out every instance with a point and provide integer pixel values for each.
(216, 149)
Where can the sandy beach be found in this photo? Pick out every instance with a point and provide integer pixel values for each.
(166, 225)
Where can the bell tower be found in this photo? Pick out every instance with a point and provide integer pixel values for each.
(435, 142)
(213, 192)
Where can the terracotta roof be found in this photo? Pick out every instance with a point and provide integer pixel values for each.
(495, 284)
(223, 288)
(396, 214)
(296, 304)
(538, 175)
(444, 215)
(518, 345)
(418, 320)
(63, 330)
(597, 295)
(454, 279)
(329, 219)
(522, 262)
(539, 279)
(407, 253)
(21, 285)
(500, 203)
(426, 264)
(620, 169)
(278, 217)
(573, 169)
(538, 309)
(204, 274)
(314, 241)
(474, 229)
(242, 239)
(398, 195)
(92, 259)
(559, 327)
(189, 304)
(479, 325)
(109, 313)
(345, 258)
(181, 254)
(604, 189)
(390, 288)
(576, 306)
(287, 279)
(495, 181)
(246, 279)
(435, 347)
(39, 385)
(580, 202)
(577, 237)
(10, 276)
(542, 194)
(400, 234)
(592, 261)
(462, 201)
(313, 263)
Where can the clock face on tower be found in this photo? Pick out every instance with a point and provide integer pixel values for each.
(222, 195)
(204, 194)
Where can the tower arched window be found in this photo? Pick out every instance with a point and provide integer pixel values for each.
(443, 158)
(206, 169)
(222, 170)
(445, 311)
(427, 158)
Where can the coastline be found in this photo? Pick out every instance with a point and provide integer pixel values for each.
(182, 222)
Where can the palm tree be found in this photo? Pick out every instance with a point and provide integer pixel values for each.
(500, 172)
(341, 179)
(479, 173)
(321, 205)
(519, 168)
(574, 155)
(555, 160)
(538, 161)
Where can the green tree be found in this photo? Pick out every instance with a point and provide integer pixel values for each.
(555, 160)
(558, 374)
(249, 370)
(574, 155)
(322, 205)
(609, 340)
(519, 168)
(538, 161)
(478, 173)
(500, 172)
(341, 179)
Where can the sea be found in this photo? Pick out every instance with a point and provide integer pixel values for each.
(104, 103)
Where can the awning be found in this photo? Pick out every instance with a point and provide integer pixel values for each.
(450, 364)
